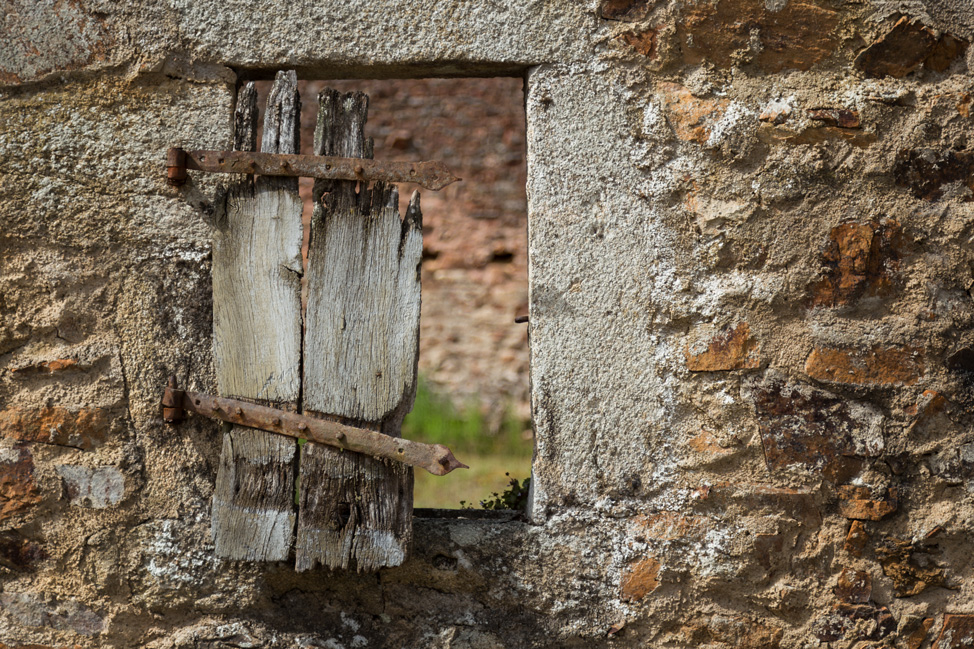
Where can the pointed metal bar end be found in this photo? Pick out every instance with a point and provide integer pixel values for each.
(444, 461)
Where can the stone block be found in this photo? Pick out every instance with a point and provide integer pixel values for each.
(877, 365)
(84, 428)
(45, 37)
(915, 631)
(856, 539)
(640, 579)
(924, 171)
(811, 428)
(855, 622)
(856, 503)
(910, 566)
(19, 553)
(67, 615)
(96, 488)
(793, 35)
(854, 586)
(18, 488)
(624, 10)
(860, 260)
(907, 45)
(957, 633)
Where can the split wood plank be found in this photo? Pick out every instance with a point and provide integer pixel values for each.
(361, 347)
(257, 333)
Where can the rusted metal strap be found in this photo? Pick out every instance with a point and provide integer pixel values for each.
(435, 458)
(432, 175)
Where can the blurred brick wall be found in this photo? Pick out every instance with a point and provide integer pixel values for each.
(474, 231)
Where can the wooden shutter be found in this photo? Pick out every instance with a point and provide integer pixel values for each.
(360, 346)
(257, 334)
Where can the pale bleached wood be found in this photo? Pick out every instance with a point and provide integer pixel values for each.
(257, 334)
(361, 347)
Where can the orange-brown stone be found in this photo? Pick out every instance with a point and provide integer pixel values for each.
(860, 260)
(855, 503)
(958, 632)
(643, 42)
(49, 367)
(911, 569)
(84, 428)
(690, 117)
(706, 444)
(18, 489)
(640, 579)
(722, 32)
(856, 539)
(876, 366)
(731, 349)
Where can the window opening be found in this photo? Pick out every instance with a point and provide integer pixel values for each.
(473, 389)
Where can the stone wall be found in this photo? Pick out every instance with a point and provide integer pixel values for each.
(750, 261)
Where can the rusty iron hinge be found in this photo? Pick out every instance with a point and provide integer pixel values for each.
(432, 175)
(435, 458)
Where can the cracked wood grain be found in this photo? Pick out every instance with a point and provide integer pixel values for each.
(257, 334)
(361, 346)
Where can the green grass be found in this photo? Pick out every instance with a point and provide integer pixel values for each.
(436, 419)
(491, 455)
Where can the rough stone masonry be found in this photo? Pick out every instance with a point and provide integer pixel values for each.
(752, 326)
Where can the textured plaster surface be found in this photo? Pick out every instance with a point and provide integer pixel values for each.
(671, 199)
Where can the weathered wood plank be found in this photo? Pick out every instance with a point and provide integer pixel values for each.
(361, 346)
(257, 334)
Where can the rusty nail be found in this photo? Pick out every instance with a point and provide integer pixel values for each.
(238, 412)
(215, 405)
(521, 319)
(276, 421)
(340, 437)
(359, 169)
(302, 426)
